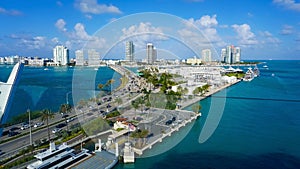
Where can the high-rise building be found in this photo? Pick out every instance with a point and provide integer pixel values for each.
(93, 57)
(129, 51)
(237, 54)
(79, 57)
(231, 54)
(61, 55)
(151, 53)
(206, 55)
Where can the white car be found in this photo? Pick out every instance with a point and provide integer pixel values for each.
(26, 126)
(56, 130)
(38, 124)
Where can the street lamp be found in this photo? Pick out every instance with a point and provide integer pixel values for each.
(30, 134)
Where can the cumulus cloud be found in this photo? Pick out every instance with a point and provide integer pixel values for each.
(245, 36)
(60, 24)
(288, 4)
(27, 41)
(268, 38)
(93, 7)
(78, 37)
(10, 12)
(207, 24)
(286, 30)
(142, 33)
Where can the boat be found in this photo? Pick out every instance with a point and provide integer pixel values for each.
(265, 66)
(46, 69)
(58, 157)
(249, 75)
(256, 71)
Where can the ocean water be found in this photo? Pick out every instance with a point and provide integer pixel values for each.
(259, 128)
(39, 88)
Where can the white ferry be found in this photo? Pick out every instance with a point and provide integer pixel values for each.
(58, 157)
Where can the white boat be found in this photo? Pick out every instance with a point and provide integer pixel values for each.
(249, 75)
(256, 71)
(265, 66)
(46, 69)
(58, 157)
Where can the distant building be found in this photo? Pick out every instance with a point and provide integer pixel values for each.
(231, 54)
(61, 55)
(151, 53)
(129, 51)
(79, 57)
(93, 57)
(36, 61)
(206, 55)
(194, 61)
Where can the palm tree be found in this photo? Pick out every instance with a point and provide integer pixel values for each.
(135, 105)
(196, 108)
(100, 86)
(46, 115)
(118, 101)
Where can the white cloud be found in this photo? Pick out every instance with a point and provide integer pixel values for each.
(10, 12)
(29, 42)
(207, 24)
(268, 38)
(286, 30)
(92, 7)
(143, 33)
(60, 24)
(78, 37)
(245, 35)
(288, 4)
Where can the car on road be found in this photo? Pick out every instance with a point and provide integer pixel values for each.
(25, 126)
(56, 130)
(70, 119)
(12, 133)
(38, 124)
(61, 125)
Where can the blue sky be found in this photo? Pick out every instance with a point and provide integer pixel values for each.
(266, 29)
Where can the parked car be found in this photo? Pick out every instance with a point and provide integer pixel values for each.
(169, 122)
(56, 130)
(38, 124)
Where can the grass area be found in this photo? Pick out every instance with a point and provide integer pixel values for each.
(124, 81)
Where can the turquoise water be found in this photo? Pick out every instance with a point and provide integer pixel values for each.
(258, 130)
(39, 88)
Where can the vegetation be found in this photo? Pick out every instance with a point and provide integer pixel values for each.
(140, 134)
(237, 75)
(24, 117)
(46, 115)
(201, 90)
(196, 108)
(95, 126)
(113, 114)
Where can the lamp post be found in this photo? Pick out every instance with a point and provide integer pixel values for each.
(30, 134)
(67, 96)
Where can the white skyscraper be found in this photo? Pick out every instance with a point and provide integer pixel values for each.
(93, 57)
(129, 51)
(151, 53)
(231, 54)
(206, 55)
(79, 57)
(61, 55)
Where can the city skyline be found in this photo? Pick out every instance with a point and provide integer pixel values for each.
(244, 23)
